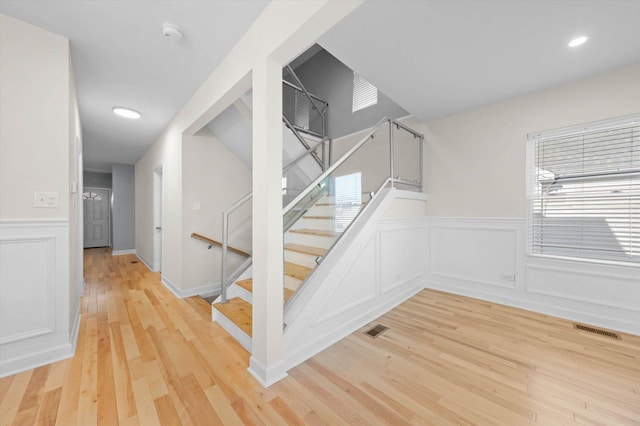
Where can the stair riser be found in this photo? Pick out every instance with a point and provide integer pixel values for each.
(321, 224)
(300, 258)
(291, 283)
(309, 240)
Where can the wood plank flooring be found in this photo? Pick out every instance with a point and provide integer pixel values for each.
(147, 358)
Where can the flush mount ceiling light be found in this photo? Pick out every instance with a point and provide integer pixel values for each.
(578, 41)
(126, 112)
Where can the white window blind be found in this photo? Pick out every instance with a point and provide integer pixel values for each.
(348, 199)
(584, 191)
(364, 93)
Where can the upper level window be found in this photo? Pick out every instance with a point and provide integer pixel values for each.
(584, 191)
(364, 93)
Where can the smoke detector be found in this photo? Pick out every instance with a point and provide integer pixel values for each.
(172, 31)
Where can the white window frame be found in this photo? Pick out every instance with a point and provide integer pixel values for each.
(531, 181)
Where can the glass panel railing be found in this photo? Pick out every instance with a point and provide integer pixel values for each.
(236, 234)
(298, 173)
(317, 218)
(407, 158)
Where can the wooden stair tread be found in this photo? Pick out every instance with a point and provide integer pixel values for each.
(300, 248)
(238, 311)
(296, 271)
(320, 232)
(248, 285)
(335, 204)
(319, 217)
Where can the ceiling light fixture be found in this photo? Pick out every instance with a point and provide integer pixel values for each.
(578, 41)
(127, 112)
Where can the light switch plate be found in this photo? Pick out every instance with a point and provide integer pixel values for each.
(48, 200)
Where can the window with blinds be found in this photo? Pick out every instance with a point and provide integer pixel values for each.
(364, 93)
(584, 191)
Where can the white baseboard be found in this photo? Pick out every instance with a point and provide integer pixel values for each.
(203, 290)
(75, 330)
(143, 260)
(266, 376)
(121, 252)
(36, 359)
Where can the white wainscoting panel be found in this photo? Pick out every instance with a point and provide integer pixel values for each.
(480, 254)
(477, 257)
(587, 284)
(36, 326)
(401, 255)
(27, 303)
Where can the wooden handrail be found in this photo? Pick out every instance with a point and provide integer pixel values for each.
(219, 244)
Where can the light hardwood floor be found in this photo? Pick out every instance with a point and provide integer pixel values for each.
(146, 358)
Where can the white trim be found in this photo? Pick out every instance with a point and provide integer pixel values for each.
(121, 252)
(143, 260)
(36, 359)
(33, 223)
(203, 290)
(266, 377)
(75, 330)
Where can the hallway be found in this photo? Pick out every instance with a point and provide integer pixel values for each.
(145, 357)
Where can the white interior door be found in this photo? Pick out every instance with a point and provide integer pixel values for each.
(158, 195)
(97, 221)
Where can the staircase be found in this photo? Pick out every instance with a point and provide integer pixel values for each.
(307, 242)
(320, 216)
(326, 205)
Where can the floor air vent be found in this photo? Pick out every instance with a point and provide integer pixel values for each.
(597, 331)
(376, 331)
(134, 261)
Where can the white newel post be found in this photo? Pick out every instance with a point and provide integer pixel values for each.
(267, 340)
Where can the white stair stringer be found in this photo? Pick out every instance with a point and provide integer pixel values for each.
(350, 288)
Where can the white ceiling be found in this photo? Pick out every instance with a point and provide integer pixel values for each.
(432, 57)
(121, 58)
(436, 58)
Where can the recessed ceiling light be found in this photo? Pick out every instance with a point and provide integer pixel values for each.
(578, 41)
(127, 112)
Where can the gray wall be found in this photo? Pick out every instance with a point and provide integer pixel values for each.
(331, 80)
(96, 180)
(123, 207)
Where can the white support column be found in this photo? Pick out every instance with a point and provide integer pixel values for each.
(267, 340)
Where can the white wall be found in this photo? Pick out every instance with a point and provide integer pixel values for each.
(475, 161)
(214, 179)
(475, 166)
(123, 208)
(34, 110)
(40, 257)
(76, 243)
